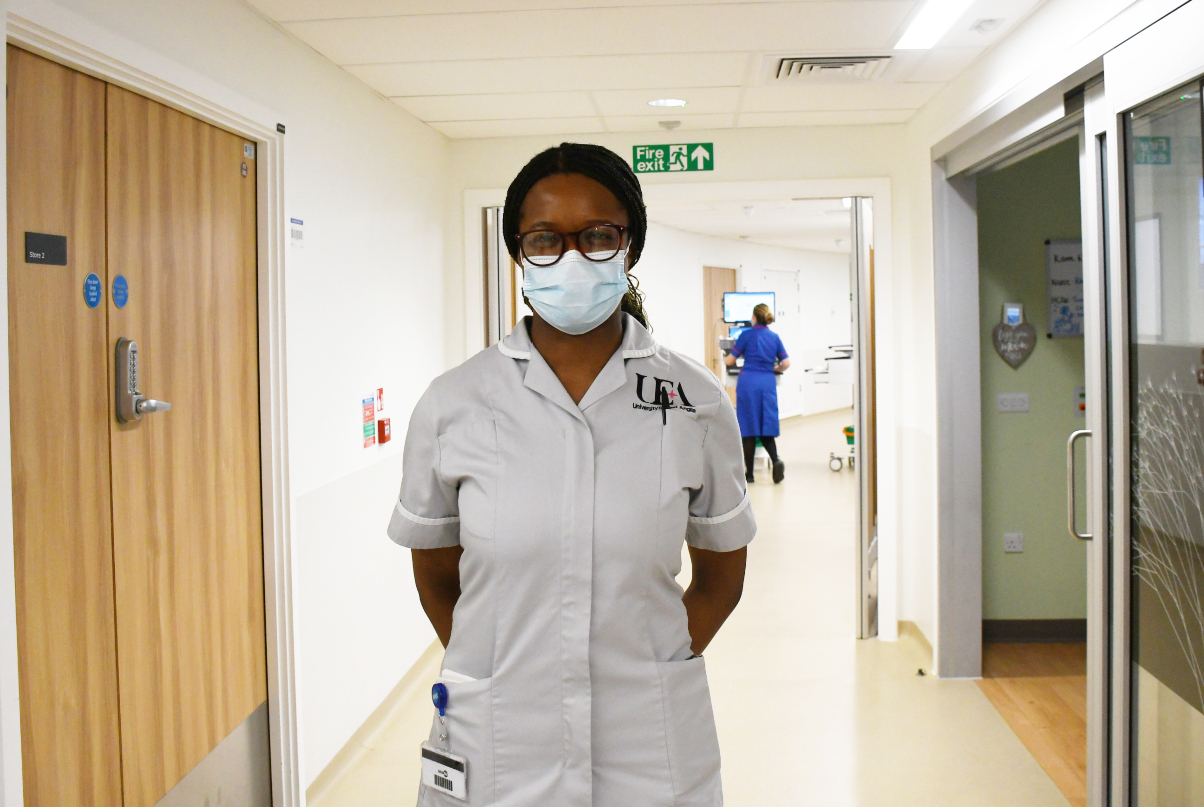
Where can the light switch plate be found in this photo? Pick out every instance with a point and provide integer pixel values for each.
(1012, 402)
(1013, 542)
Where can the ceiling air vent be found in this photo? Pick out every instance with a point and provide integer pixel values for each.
(828, 68)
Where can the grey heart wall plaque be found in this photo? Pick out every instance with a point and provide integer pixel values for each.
(1014, 338)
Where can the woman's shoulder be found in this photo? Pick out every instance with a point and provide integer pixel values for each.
(464, 390)
(700, 385)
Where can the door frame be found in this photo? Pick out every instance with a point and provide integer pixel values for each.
(666, 189)
(1070, 109)
(74, 42)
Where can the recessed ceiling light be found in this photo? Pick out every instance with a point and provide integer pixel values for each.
(667, 102)
(934, 19)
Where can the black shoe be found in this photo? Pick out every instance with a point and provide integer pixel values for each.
(748, 478)
(779, 471)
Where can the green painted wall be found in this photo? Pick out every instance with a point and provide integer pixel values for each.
(1024, 455)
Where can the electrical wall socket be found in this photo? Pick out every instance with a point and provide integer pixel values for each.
(1012, 402)
(1013, 542)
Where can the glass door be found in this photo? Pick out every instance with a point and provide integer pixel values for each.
(1156, 374)
(1164, 173)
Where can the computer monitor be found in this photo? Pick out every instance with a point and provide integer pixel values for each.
(738, 305)
(735, 331)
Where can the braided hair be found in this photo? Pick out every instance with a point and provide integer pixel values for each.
(607, 169)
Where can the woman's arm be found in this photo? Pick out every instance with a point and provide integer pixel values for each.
(715, 587)
(784, 364)
(437, 576)
(730, 359)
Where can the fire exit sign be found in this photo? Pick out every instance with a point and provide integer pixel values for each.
(673, 157)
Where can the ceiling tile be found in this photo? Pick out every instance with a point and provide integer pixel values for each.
(518, 128)
(802, 97)
(963, 35)
(432, 108)
(942, 64)
(850, 117)
(643, 123)
(703, 100)
(557, 73)
(810, 26)
(293, 10)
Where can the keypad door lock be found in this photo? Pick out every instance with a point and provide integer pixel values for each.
(131, 405)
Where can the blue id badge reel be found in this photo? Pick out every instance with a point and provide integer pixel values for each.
(441, 769)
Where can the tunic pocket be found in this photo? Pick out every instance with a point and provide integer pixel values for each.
(693, 745)
(470, 735)
(681, 453)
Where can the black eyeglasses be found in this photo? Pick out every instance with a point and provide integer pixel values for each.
(599, 242)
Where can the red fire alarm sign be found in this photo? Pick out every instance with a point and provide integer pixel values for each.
(383, 432)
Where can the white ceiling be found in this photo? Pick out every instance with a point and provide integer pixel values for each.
(814, 224)
(495, 68)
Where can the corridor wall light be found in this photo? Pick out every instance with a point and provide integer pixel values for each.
(667, 102)
(933, 21)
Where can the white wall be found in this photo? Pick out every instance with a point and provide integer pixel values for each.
(364, 304)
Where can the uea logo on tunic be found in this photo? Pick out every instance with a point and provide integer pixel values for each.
(666, 394)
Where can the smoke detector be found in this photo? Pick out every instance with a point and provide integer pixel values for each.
(777, 69)
(986, 26)
(668, 125)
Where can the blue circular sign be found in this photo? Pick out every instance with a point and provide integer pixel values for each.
(92, 290)
(121, 291)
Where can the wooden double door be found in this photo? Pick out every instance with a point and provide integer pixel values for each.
(138, 545)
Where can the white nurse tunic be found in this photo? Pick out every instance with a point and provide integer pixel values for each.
(572, 518)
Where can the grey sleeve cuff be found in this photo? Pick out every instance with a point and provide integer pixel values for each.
(723, 533)
(417, 532)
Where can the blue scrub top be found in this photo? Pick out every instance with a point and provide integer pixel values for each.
(760, 347)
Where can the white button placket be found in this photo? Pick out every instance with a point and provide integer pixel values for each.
(577, 550)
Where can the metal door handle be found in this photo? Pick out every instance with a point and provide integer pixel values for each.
(131, 405)
(1070, 503)
(149, 405)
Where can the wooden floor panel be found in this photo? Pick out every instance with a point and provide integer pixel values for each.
(1041, 691)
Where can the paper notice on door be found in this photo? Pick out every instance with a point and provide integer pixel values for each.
(296, 233)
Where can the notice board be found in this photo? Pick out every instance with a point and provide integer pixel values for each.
(1064, 287)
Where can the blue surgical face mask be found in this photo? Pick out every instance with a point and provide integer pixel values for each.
(576, 295)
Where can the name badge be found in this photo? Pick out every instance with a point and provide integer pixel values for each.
(445, 772)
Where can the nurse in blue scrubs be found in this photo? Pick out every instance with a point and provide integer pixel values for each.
(757, 390)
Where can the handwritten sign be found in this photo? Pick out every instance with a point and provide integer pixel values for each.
(1014, 338)
(1064, 287)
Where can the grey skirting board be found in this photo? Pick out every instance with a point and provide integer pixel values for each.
(1034, 630)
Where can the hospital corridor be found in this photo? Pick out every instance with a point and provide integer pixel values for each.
(603, 403)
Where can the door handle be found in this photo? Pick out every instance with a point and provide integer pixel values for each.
(148, 405)
(1070, 502)
(131, 405)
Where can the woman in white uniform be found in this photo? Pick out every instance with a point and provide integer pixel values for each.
(548, 485)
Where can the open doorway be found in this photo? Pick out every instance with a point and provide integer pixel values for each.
(1033, 393)
(811, 260)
